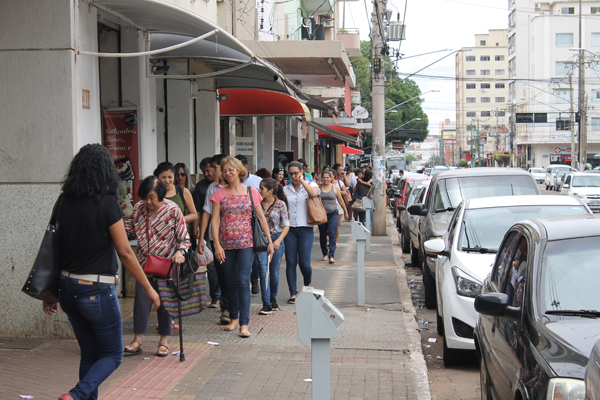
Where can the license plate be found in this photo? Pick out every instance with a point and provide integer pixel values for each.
(595, 203)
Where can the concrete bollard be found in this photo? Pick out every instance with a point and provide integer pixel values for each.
(360, 235)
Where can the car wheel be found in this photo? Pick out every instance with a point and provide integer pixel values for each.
(405, 241)
(546, 187)
(440, 323)
(452, 356)
(484, 381)
(429, 286)
(414, 255)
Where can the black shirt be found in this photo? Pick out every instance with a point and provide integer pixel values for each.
(86, 246)
(200, 194)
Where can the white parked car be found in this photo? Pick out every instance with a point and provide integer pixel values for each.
(539, 174)
(551, 171)
(584, 186)
(466, 252)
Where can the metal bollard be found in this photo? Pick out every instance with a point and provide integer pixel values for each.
(360, 235)
(318, 320)
(368, 204)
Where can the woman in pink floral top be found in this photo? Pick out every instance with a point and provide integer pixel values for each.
(233, 241)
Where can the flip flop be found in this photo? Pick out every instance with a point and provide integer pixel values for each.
(135, 348)
(158, 353)
(230, 328)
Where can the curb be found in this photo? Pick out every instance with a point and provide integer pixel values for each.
(418, 368)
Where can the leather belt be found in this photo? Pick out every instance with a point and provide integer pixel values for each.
(114, 280)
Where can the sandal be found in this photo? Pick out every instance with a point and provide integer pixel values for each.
(135, 347)
(230, 328)
(244, 333)
(164, 352)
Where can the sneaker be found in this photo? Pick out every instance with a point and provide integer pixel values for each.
(214, 303)
(255, 286)
(224, 320)
(274, 305)
(266, 310)
(292, 300)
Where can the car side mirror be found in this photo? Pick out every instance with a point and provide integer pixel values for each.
(436, 247)
(416, 209)
(401, 207)
(566, 185)
(496, 305)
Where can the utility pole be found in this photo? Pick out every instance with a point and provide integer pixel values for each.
(572, 122)
(378, 131)
(582, 109)
(479, 145)
(442, 158)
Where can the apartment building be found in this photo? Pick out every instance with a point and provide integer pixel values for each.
(543, 38)
(482, 96)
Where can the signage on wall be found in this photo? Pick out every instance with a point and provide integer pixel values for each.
(562, 150)
(120, 137)
(85, 99)
(244, 146)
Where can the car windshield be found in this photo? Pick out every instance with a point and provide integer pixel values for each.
(450, 192)
(484, 228)
(538, 170)
(568, 279)
(437, 170)
(395, 163)
(586, 181)
(556, 170)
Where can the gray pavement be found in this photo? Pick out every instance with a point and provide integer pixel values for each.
(376, 356)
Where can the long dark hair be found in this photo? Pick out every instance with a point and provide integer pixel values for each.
(188, 180)
(92, 174)
(163, 167)
(271, 184)
(367, 175)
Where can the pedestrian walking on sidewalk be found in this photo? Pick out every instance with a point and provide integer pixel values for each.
(233, 239)
(363, 189)
(160, 229)
(274, 207)
(343, 183)
(219, 182)
(331, 197)
(91, 229)
(299, 241)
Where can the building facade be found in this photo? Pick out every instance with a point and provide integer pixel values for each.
(482, 96)
(543, 38)
(178, 78)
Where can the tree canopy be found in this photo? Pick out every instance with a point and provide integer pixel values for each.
(397, 91)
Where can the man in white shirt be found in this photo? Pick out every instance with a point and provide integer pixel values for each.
(249, 179)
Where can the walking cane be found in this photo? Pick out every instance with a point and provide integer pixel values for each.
(181, 355)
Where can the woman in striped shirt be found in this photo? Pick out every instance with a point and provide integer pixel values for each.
(159, 226)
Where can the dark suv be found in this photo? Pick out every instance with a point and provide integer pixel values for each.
(447, 191)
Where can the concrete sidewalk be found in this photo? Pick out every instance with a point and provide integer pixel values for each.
(376, 356)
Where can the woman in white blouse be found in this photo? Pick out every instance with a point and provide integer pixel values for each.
(299, 241)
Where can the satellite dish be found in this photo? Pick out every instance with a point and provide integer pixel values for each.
(360, 112)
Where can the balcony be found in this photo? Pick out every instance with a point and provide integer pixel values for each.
(351, 40)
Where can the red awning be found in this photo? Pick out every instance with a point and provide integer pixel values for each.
(254, 102)
(342, 129)
(351, 150)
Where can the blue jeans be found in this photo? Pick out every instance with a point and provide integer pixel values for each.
(94, 314)
(269, 274)
(329, 229)
(237, 268)
(213, 277)
(222, 282)
(298, 248)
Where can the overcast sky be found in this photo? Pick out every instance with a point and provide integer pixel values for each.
(433, 25)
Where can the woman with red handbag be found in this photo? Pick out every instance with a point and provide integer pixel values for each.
(162, 237)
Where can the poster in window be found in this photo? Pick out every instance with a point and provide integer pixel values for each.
(120, 135)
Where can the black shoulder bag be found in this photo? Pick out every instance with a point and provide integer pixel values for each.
(261, 243)
(42, 282)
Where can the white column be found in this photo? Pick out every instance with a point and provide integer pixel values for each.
(265, 143)
(208, 139)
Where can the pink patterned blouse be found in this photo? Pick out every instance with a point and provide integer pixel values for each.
(235, 227)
